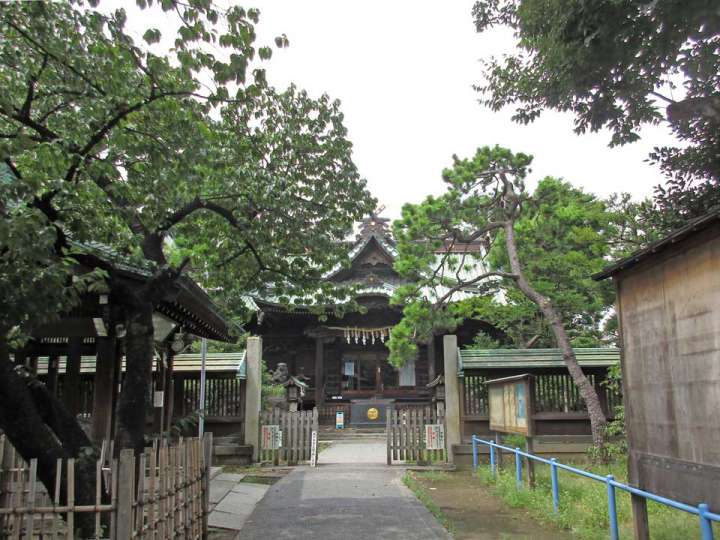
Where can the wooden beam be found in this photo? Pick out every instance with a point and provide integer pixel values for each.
(52, 375)
(319, 371)
(103, 389)
(71, 380)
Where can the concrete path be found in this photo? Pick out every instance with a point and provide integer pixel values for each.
(232, 501)
(369, 450)
(342, 501)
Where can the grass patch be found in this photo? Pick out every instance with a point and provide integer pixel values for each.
(410, 480)
(583, 503)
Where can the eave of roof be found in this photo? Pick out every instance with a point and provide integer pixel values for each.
(182, 363)
(691, 228)
(533, 358)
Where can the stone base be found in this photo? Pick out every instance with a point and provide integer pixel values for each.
(369, 412)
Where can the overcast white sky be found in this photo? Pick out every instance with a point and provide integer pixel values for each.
(404, 71)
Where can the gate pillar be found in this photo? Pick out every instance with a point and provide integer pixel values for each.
(452, 395)
(253, 384)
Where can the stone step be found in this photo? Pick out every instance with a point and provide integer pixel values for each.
(227, 439)
(232, 454)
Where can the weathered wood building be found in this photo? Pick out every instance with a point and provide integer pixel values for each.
(668, 302)
(345, 359)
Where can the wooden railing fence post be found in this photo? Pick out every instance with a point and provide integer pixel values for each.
(125, 491)
(207, 465)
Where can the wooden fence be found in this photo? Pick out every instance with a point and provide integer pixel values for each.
(297, 428)
(554, 392)
(170, 500)
(405, 433)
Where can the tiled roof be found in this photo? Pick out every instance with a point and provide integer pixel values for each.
(533, 358)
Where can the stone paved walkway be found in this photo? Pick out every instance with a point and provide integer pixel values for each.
(342, 501)
(232, 501)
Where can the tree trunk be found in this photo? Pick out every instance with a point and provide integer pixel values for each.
(598, 422)
(132, 406)
(39, 427)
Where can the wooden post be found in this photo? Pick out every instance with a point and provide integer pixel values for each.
(640, 517)
(71, 381)
(169, 389)
(158, 412)
(319, 372)
(103, 389)
(52, 374)
(530, 462)
(431, 358)
(125, 492)
(117, 379)
(452, 395)
(207, 465)
(253, 384)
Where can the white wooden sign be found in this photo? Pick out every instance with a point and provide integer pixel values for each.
(158, 398)
(313, 448)
(434, 436)
(271, 437)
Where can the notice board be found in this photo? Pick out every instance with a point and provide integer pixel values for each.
(511, 403)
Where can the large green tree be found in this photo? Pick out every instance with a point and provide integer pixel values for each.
(564, 235)
(619, 64)
(186, 161)
(486, 201)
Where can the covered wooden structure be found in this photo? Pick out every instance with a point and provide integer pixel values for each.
(559, 408)
(345, 359)
(94, 329)
(668, 303)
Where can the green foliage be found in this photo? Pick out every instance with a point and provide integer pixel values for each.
(514, 440)
(563, 237)
(583, 503)
(616, 64)
(188, 160)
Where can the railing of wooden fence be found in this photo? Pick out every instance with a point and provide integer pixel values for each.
(224, 395)
(169, 500)
(297, 428)
(406, 435)
(553, 393)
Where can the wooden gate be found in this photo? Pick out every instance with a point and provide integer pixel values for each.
(407, 435)
(296, 429)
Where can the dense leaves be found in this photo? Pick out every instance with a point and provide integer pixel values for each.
(186, 159)
(618, 65)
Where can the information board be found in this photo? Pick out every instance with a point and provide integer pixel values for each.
(271, 437)
(511, 404)
(434, 437)
(339, 420)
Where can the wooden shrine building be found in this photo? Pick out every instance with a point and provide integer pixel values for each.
(345, 358)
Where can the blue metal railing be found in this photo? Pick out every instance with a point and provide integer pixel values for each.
(706, 517)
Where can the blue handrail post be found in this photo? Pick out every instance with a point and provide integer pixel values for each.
(555, 487)
(612, 508)
(475, 453)
(493, 468)
(518, 469)
(705, 523)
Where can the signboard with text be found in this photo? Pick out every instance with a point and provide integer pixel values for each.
(434, 437)
(271, 437)
(511, 404)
